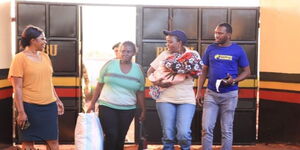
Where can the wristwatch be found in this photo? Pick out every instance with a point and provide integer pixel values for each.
(233, 82)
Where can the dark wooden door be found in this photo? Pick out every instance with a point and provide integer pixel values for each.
(61, 25)
(199, 24)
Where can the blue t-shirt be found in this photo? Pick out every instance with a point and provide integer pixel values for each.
(222, 61)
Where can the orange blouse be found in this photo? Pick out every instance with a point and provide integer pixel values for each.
(37, 78)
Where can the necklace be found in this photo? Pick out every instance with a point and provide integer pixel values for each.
(32, 53)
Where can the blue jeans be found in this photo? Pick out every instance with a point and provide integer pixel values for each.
(176, 121)
(214, 104)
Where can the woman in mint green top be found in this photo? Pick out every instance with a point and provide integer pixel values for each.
(120, 87)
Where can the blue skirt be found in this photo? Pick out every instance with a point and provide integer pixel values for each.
(43, 121)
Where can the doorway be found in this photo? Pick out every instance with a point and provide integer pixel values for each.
(102, 28)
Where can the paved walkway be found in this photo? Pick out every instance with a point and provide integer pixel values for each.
(194, 147)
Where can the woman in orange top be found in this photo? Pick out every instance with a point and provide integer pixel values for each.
(37, 103)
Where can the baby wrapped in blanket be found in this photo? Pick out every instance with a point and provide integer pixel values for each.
(175, 69)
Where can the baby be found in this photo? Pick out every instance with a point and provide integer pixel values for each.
(164, 75)
(175, 69)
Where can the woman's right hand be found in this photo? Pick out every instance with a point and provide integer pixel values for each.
(21, 119)
(142, 115)
(91, 108)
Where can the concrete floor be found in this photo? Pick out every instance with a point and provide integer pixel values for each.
(194, 147)
(236, 147)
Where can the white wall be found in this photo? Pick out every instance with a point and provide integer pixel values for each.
(279, 36)
(5, 34)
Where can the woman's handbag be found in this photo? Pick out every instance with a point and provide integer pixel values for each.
(88, 132)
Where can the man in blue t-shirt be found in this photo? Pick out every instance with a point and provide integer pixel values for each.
(222, 61)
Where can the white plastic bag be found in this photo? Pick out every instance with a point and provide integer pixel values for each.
(88, 132)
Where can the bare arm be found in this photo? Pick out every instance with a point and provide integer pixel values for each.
(159, 82)
(17, 83)
(242, 76)
(60, 105)
(201, 81)
(141, 102)
(96, 95)
(150, 70)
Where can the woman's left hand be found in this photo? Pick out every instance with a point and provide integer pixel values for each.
(60, 107)
(142, 116)
(165, 84)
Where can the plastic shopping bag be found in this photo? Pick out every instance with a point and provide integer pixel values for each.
(88, 132)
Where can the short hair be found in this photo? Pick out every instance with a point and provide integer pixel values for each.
(227, 26)
(30, 32)
(130, 44)
(116, 45)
